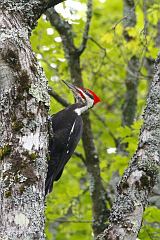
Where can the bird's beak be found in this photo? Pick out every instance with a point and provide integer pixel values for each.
(76, 93)
(72, 87)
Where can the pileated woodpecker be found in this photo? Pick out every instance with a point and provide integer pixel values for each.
(67, 126)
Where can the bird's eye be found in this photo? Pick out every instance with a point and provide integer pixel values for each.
(85, 91)
(89, 94)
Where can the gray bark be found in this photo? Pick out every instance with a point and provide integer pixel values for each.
(129, 13)
(140, 177)
(154, 199)
(130, 100)
(132, 75)
(131, 84)
(24, 105)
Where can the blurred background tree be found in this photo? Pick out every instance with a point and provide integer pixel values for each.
(117, 63)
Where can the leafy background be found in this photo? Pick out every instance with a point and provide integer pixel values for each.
(103, 64)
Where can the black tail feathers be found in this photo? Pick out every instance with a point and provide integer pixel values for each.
(49, 185)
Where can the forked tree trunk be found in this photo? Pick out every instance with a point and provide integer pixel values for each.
(23, 125)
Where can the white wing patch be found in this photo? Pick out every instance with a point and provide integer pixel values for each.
(72, 129)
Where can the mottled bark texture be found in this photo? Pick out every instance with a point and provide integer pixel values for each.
(138, 180)
(148, 62)
(132, 75)
(130, 99)
(154, 199)
(24, 104)
(97, 192)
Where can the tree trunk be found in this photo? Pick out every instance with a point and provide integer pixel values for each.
(140, 177)
(24, 104)
(132, 75)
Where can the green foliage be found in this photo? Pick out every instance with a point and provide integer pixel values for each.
(103, 64)
(151, 224)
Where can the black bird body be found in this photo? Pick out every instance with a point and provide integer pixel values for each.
(67, 127)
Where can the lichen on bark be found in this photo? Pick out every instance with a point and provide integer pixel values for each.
(140, 177)
(23, 125)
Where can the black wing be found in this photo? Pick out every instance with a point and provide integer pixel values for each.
(62, 147)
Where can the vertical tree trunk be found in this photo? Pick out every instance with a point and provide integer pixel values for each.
(132, 75)
(23, 125)
(140, 177)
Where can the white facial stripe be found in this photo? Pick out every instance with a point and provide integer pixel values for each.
(83, 93)
(89, 100)
(88, 103)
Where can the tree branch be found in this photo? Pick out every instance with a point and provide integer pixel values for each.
(49, 4)
(52, 3)
(59, 99)
(64, 29)
(29, 10)
(80, 155)
(86, 29)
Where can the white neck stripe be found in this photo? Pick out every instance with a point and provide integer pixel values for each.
(88, 104)
(79, 111)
